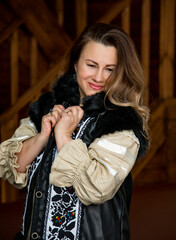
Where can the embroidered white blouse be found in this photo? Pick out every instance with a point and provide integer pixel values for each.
(95, 173)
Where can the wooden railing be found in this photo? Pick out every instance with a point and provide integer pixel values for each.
(162, 149)
(9, 119)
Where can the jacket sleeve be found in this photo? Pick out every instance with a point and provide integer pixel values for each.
(95, 173)
(8, 159)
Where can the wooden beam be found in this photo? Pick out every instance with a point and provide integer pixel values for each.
(23, 51)
(60, 12)
(158, 136)
(163, 133)
(42, 24)
(171, 140)
(116, 8)
(167, 49)
(126, 19)
(145, 43)
(32, 94)
(14, 67)
(33, 61)
(81, 15)
(6, 13)
(10, 29)
(14, 76)
(8, 192)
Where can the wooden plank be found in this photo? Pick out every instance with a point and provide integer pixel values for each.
(126, 19)
(24, 49)
(8, 127)
(145, 43)
(113, 12)
(14, 67)
(171, 109)
(33, 61)
(167, 48)
(155, 145)
(8, 192)
(163, 131)
(157, 126)
(32, 93)
(171, 140)
(81, 15)
(151, 176)
(5, 13)
(60, 12)
(170, 150)
(10, 29)
(25, 52)
(43, 26)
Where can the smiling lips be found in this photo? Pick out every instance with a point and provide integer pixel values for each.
(95, 87)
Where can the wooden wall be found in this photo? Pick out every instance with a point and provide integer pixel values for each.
(34, 37)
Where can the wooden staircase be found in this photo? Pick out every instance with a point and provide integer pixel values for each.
(34, 38)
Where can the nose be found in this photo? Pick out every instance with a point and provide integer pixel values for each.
(98, 75)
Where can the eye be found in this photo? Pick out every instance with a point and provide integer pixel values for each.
(91, 65)
(110, 69)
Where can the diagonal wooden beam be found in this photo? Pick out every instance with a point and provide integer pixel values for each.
(10, 29)
(42, 24)
(34, 92)
(113, 12)
(24, 42)
(158, 136)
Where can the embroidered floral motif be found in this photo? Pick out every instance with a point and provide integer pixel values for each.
(63, 211)
(62, 214)
(63, 208)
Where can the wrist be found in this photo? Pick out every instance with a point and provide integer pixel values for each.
(62, 141)
(41, 139)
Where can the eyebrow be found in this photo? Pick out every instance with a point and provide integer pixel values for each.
(108, 65)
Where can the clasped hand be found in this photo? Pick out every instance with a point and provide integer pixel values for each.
(64, 122)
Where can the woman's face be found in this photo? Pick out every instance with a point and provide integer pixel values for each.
(95, 65)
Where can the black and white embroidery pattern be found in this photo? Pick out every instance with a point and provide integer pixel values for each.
(62, 215)
(63, 210)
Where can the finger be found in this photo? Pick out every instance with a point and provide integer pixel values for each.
(58, 108)
(80, 113)
(67, 114)
(57, 111)
(72, 109)
(68, 111)
(77, 112)
(56, 115)
(50, 119)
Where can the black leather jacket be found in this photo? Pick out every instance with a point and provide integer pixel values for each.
(108, 221)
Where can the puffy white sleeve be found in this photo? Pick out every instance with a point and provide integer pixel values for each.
(97, 172)
(8, 148)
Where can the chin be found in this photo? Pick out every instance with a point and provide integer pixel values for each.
(92, 93)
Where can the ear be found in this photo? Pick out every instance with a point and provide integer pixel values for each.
(75, 67)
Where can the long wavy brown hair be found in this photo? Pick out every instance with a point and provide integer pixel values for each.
(126, 85)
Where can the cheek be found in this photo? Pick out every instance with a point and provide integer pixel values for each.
(107, 74)
(83, 73)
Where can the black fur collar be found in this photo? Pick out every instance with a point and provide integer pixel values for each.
(66, 92)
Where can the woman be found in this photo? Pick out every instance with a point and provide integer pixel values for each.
(76, 150)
